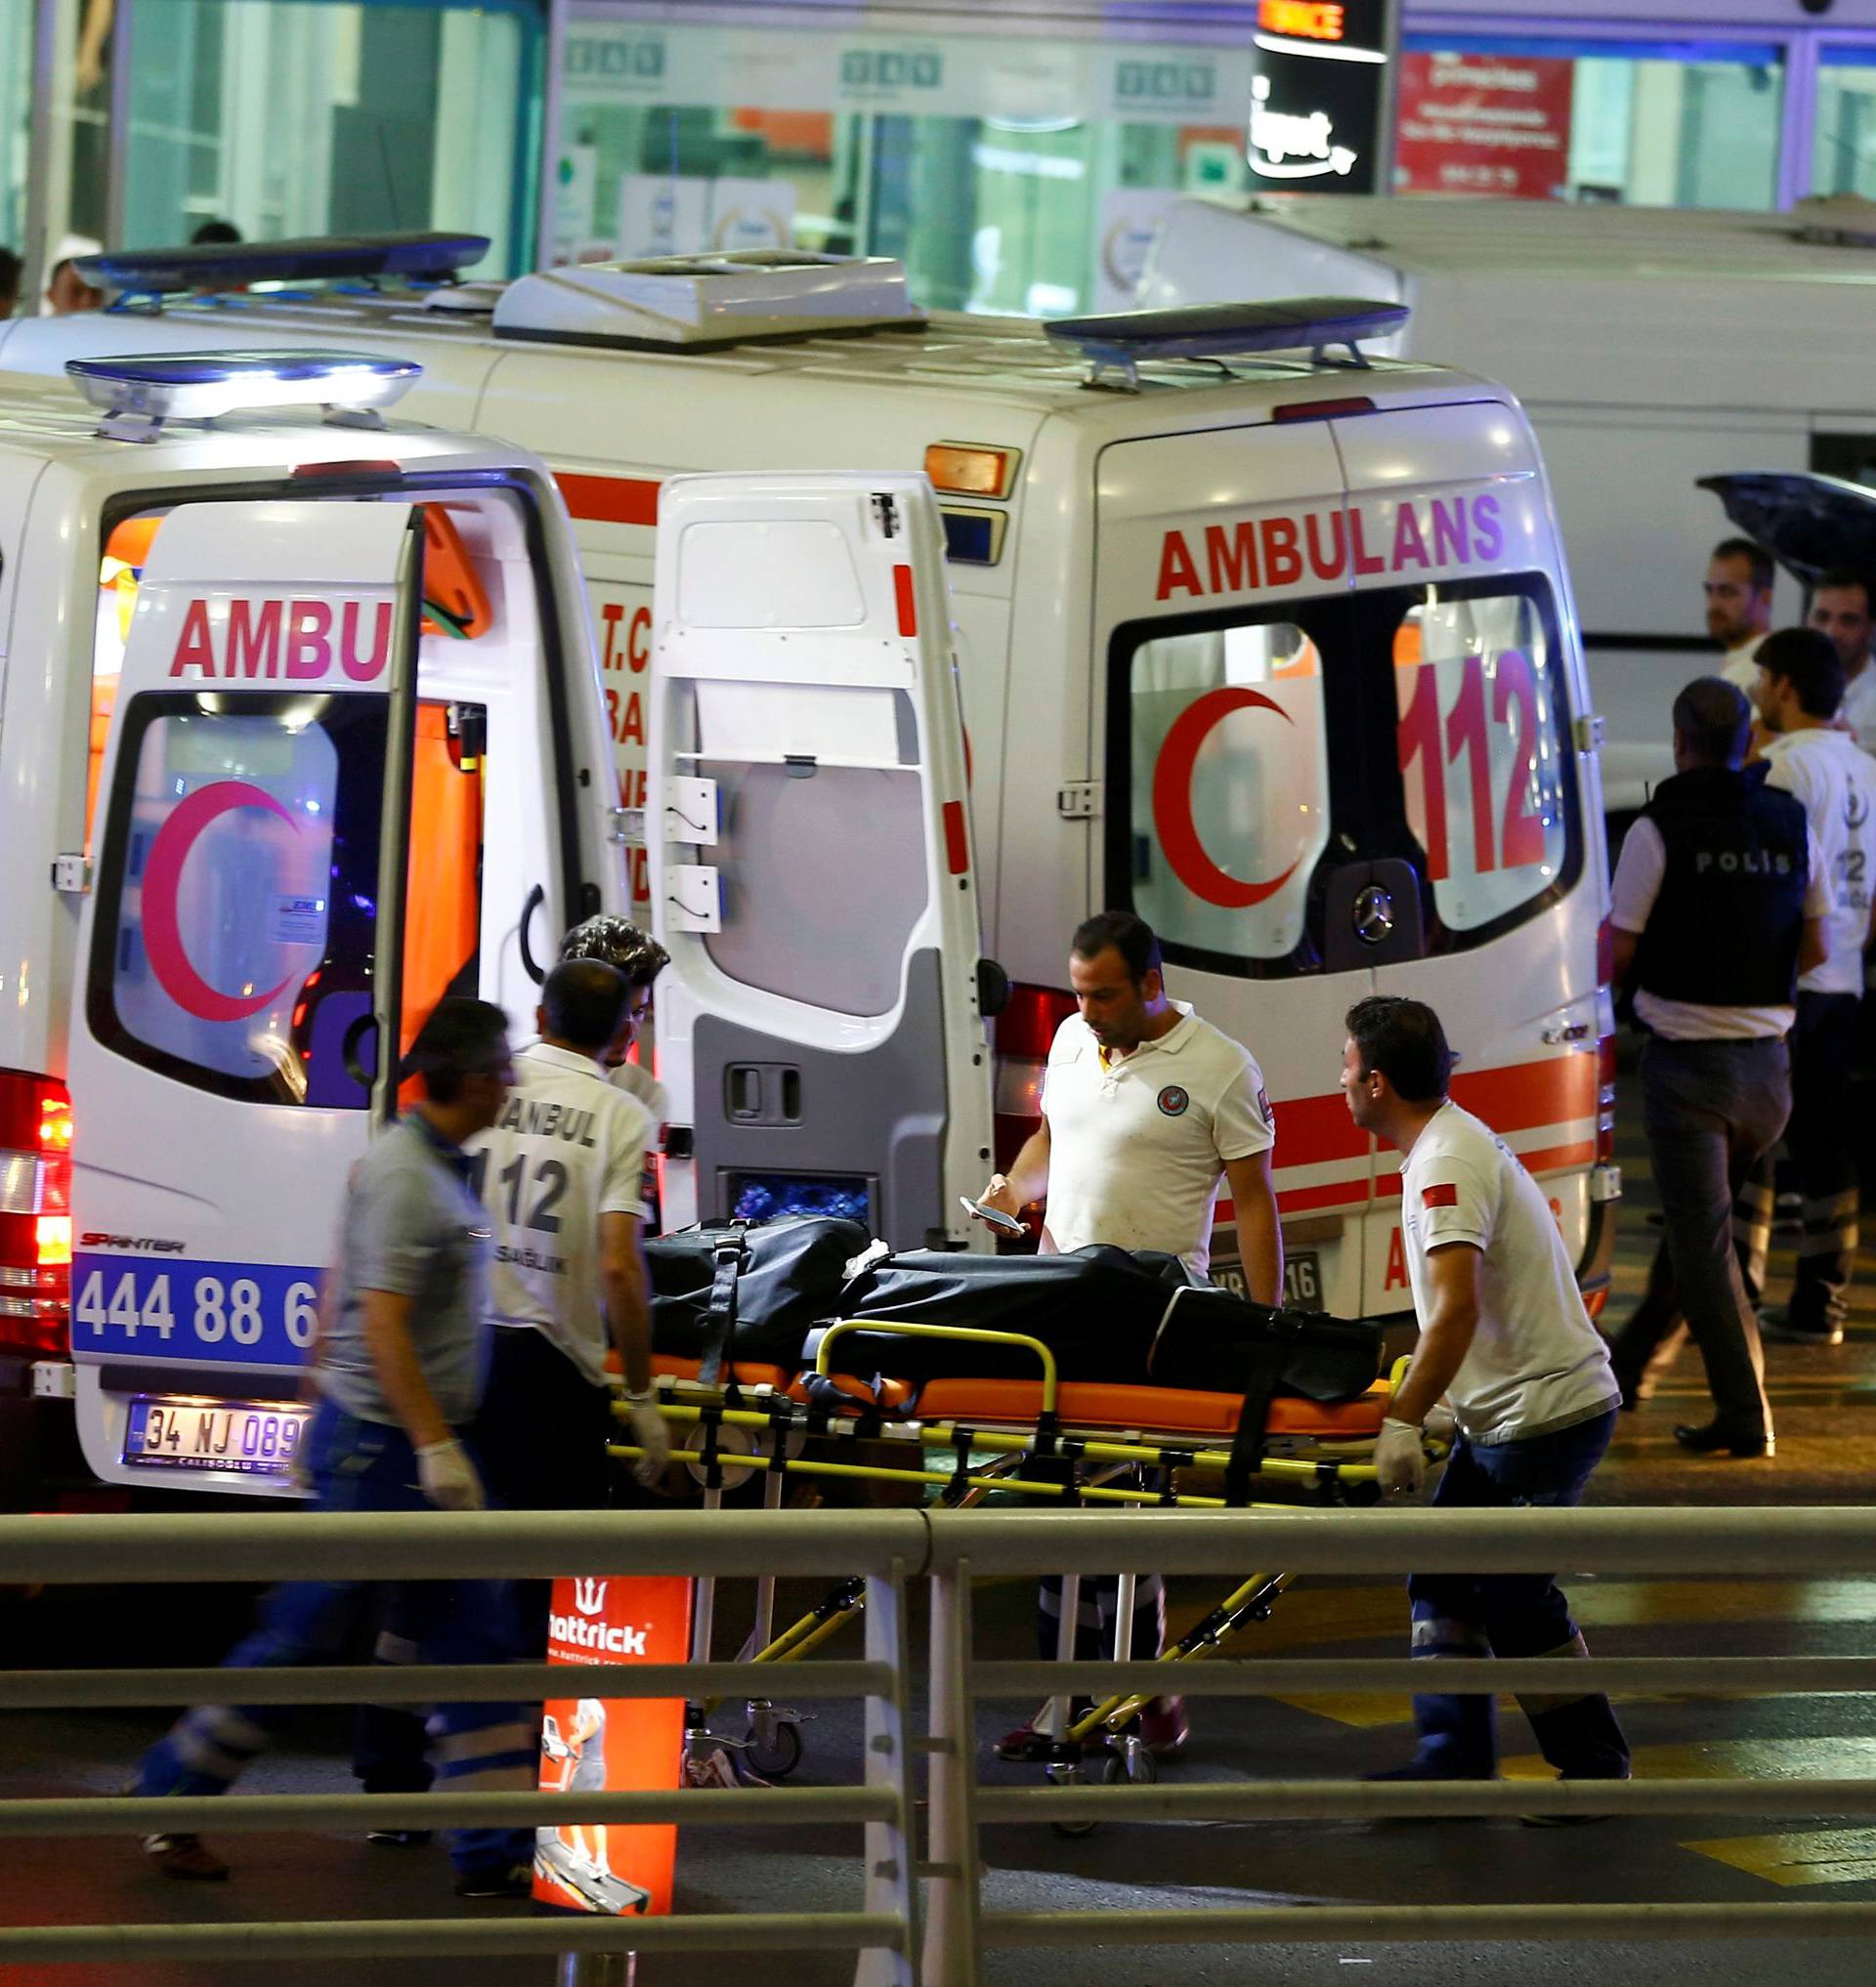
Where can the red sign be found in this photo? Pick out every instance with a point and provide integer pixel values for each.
(595, 1746)
(1485, 124)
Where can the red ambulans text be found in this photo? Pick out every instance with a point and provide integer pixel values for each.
(1258, 554)
(297, 641)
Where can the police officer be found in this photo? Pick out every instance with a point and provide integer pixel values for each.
(561, 1174)
(400, 1369)
(1529, 1400)
(1800, 689)
(1145, 1109)
(1718, 905)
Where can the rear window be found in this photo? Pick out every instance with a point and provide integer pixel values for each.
(1250, 754)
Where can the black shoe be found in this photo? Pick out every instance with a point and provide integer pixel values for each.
(1777, 1325)
(1711, 1439)
(500, 1881)
(1570, 1819)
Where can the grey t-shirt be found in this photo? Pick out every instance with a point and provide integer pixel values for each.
(412, 1226)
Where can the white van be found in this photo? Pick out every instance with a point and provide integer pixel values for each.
(1276, 650)
(1652, 347)
(300, 728)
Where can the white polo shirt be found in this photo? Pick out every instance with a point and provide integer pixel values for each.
(1536, 1363)
(1741, 667)
(1836, 779)
(1137, 1143)
(567, 1148)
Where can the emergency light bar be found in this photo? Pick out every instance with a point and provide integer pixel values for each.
(702, 303)
(1127, 339)
(219, 265)
(139, 393)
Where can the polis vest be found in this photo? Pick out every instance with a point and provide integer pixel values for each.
(1724, 929)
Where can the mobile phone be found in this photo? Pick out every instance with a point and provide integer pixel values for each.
(993, 1217)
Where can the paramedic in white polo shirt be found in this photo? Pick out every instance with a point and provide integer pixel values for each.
(1145, 1107)
(1508, 1368)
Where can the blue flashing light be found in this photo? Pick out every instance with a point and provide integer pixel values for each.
(200, 385)
(434, 257)
(1127, 339)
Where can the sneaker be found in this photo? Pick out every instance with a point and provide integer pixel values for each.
(400, 1838)
(186, 1857)
(1777, 1325)
(498, 1882)
(1165, 1728)
(1571, 1819)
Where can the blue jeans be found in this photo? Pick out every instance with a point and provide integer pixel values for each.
(1512, 1614)
(361, 1466)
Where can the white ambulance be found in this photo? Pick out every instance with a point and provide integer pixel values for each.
(300, 728)
(1275, 648)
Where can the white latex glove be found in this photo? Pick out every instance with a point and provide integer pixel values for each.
(448, 1478)
(1441, 1425)
(1400, 1465)
(651, 1435)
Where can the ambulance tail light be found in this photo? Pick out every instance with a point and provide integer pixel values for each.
(1024, 1029)
(972, 469)
(35, 1213)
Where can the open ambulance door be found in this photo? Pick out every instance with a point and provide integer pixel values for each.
(819, 1025)
(1807, 522)
(240, 959)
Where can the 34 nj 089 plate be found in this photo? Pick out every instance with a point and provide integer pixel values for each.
(252, 1438)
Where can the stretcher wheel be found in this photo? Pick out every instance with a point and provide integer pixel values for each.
(1132, 1762)
(776, 1755)
(1070, 1776)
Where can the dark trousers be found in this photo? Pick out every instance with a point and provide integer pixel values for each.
(1823, 1141)
(1512, 1615)
(1712, 1111)
(540, 1439)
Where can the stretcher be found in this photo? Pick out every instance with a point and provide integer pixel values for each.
(1055, 1442)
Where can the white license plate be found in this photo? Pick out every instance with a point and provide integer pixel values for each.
(1301, 1279)
(252, 1438)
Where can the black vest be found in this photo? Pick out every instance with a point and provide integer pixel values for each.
(1725, 930)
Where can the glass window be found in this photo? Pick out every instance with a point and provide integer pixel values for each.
(290, 119)
(238, 891)
(1661, 124)
(1843, 145)
(1230, 786)
(1250, 757)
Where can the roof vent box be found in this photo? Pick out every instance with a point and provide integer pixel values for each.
(700, 303)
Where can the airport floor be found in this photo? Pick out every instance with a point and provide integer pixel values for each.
(1825, 1401)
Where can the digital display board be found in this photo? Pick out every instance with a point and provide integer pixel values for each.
(1320, 94)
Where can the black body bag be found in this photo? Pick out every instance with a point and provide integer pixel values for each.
(1096, 1309)
(740, 1293)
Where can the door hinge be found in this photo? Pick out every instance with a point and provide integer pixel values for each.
(72, 875)
(1078, 800)
(1588, 734)
(627, 826)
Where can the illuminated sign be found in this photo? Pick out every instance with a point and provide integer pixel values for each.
(1319, 97)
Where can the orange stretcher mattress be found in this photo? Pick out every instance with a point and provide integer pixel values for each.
(747, 1373)
(1088, 1404)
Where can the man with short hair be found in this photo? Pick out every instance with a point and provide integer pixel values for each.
(1799, 693)
(1145, 1109)
(1717, 907)
(399, 1371)
(1840, 608)
(560, 1174)
(1738, 600)
(1508, 1368)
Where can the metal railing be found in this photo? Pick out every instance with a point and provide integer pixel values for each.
(940, 1938)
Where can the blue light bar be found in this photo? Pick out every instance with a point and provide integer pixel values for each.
(197, 386)
(160, 271)
(1128, 339)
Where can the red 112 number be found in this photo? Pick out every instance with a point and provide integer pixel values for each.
(1466, 729)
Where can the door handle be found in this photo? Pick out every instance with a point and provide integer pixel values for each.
(537, 895)
(1576, 1030)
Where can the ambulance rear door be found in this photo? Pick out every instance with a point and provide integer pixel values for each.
(240, 959)
(811, 859)
(1495, 825)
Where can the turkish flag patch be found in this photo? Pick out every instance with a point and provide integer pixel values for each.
(1439, 1197)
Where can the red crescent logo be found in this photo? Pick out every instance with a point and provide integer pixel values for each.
(169, 957)
(1173, 821)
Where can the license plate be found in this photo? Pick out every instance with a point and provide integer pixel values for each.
(252, 1438)
(1301, 1279)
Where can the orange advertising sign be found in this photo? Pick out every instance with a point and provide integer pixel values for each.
(1308, 19)
(593, 1746)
